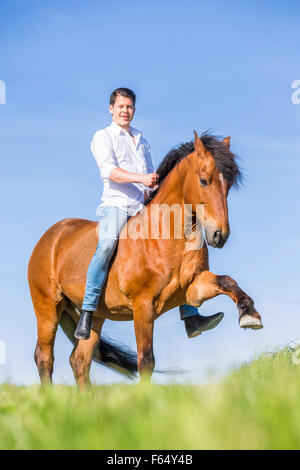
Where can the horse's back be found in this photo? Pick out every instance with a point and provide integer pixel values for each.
(52, 252)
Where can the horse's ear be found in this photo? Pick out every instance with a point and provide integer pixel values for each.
(199, 147)
(226, 141)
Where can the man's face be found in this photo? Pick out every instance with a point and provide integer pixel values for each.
(123, 111)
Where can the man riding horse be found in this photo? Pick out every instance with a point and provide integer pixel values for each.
(124, 160)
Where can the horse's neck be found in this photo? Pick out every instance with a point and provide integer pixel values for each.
(189, 248)
(171, 191)
(179, 261)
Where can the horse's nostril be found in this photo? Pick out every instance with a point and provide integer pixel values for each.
(217, 236)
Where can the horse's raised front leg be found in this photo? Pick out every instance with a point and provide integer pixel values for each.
(208, 285)
(82, 355)
(143, 327)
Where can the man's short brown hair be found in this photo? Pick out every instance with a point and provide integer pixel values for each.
(123, 92)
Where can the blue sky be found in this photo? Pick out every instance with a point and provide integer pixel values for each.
(226, 66)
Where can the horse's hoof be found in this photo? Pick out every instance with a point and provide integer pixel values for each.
(247, 321)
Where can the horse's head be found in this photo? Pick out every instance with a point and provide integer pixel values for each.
(210, 172)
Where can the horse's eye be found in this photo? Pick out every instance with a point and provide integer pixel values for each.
(203, 182)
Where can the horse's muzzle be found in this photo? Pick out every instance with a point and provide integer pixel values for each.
(217, 239)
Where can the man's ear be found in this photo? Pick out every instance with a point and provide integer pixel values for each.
(111, 109)
(199, 147)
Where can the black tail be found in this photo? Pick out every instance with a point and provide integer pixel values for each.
(118, 358)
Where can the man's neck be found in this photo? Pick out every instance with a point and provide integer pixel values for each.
(126, 128)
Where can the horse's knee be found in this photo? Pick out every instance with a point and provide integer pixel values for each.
(227, 283)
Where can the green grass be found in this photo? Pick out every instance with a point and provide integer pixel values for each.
(256, 407)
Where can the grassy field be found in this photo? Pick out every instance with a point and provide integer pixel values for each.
(256, 407)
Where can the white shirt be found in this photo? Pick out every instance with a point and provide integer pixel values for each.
(113, 147)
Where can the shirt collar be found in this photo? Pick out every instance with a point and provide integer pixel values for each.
(118, 130)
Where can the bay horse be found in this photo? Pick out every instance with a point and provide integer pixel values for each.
(148, 275)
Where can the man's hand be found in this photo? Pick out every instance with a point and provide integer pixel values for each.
(147, 193)
(150, 180)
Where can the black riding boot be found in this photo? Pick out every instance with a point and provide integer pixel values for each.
(195, 324)
(84, 326)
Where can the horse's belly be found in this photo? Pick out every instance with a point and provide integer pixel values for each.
(114, 312)
(113, 303)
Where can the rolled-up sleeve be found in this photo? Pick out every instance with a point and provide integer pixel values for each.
(104, 154)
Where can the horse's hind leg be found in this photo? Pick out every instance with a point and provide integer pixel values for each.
(82, 355)
(47, 313)
(208, 285)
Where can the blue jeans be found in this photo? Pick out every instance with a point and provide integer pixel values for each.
(112, 220)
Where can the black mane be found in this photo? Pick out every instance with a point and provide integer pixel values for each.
(224, 158)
